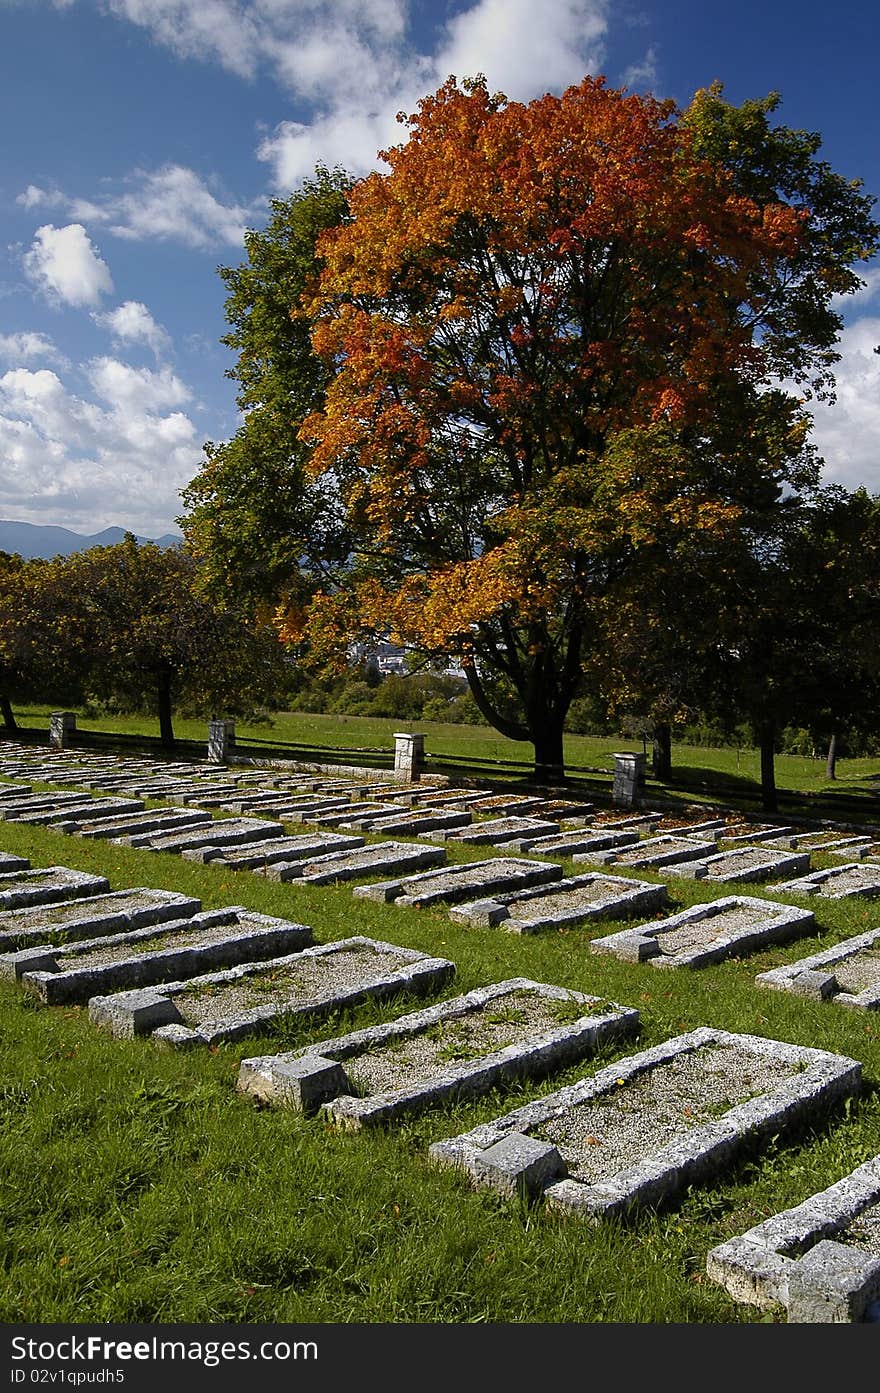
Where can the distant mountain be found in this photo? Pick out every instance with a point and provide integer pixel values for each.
(31, 540)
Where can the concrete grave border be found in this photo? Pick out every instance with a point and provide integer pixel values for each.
(152, 1011)
(510, 912)
(502, 1155)
(814, 977)
(793, 1260)
(643, 942)
(300, 1078)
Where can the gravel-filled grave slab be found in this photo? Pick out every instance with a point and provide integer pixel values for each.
(708, 933)
(223, 832)
(376, 859)
(847, 974)
(456, 883)
(740, 833)
(640, 1131)
(90, 916)
(50, 885)
(178, 949)
(820, 1260)
(563, 904)
(83, 811)
(571, 843)
(744, 864)
(820, 841)
(458, 1048)
(654, 851)
(155, 820)
(9, 863)
(15, 808)
(495, 831)
(416, 821)
(853, 879)
(253, 856)
(254, 996)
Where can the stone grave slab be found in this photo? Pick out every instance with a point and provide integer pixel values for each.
(49, 885)
(236, 1002)
(83, 811)
(9, 863)
(574, 842)
(743, 833)
(563, 904)
(354, 816)
(458, 1048)
(223, 832)
(627, 822)
(505, 804)
(847, 974)
(708, 933)
(178, 949)
(653, 852)
(497, 831)
(820, 1260)
(641, 1131)
(89, 916)
(867, 851)
(456, 883)
(13, 808)
(415, 822)
(565, 810)
(852, 879)
(358, 864)
(711, 829)
(152, 820)
(254, 855)
(744, 864)
(15, 791)
(820, 841)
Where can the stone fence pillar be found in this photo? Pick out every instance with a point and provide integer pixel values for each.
(629, 778)
(221, 741)
(62, 725)
(409, 756)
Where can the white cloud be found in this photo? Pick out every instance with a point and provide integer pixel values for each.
(360, 80)
(170, 203)
(27, 347)
(642, 75)
(523, 47)
(65, 265)
(848, 432)
(119, 460)
(131, 322)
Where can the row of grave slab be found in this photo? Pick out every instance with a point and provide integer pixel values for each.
(634, 1133)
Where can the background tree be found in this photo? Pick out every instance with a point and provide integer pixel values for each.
(154, 635)
(250, 513)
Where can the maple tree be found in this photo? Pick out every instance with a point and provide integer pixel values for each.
(551, 340)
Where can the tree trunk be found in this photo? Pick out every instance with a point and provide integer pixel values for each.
(831, 762)
(661, 758)
(549, 756)
(9, 721)
(166, 730)
(768, 768)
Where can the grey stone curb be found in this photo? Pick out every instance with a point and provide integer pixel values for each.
(268, 1077)
(259, 854)
(50, 885)
(723, 865)
(498, 831)
(357, 864)
(814, 977)
(456, 883)
(644, 941)
(571, 843)
(223, 832)
(83, 811)
(159, 819)
(519, 912)
(252, 937)
(780, 1261)
(654, 852)
(93, 916)
(661, 1176)
(818, 881)
(140, 1012)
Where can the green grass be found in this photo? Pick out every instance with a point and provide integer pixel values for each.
(138, 1186)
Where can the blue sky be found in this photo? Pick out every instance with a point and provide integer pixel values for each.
(142, 137)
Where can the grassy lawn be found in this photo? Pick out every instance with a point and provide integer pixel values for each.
(138, 1186)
